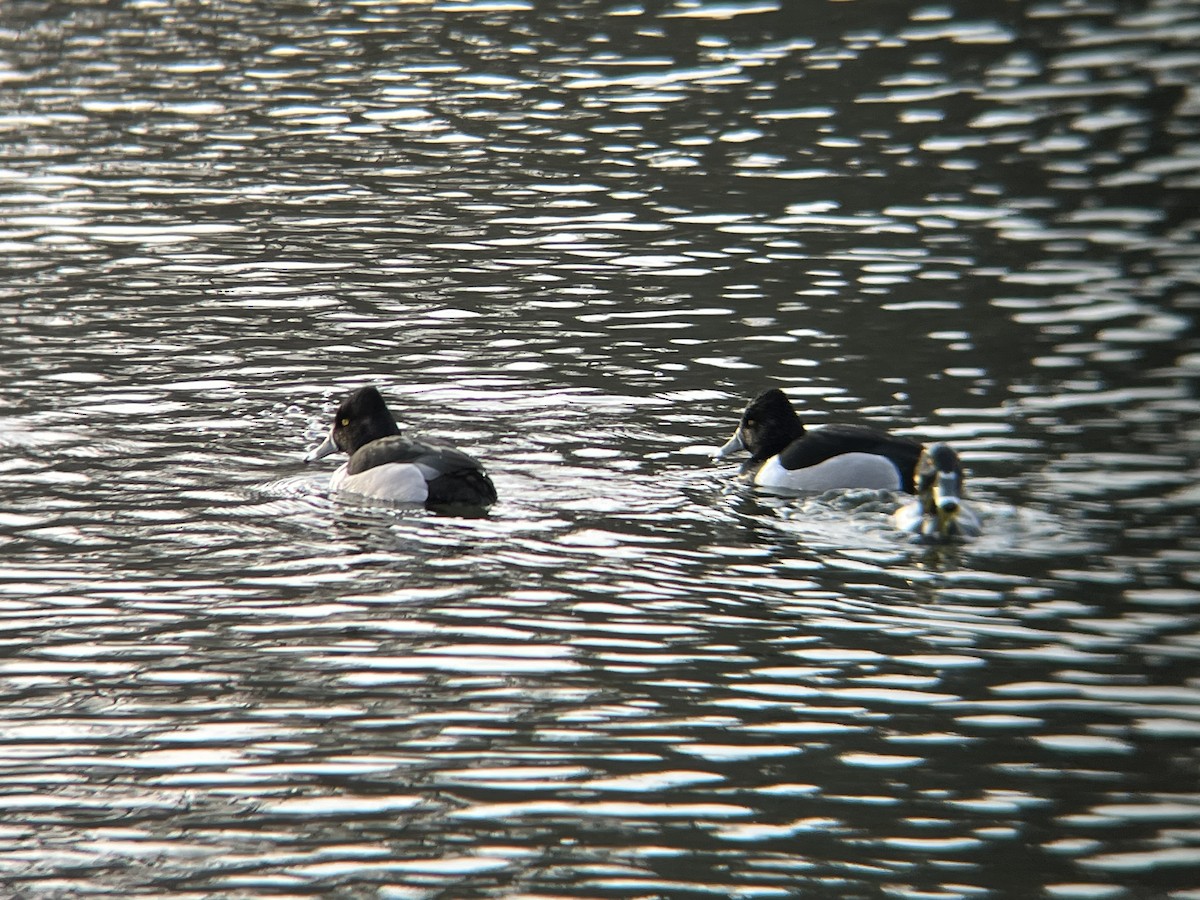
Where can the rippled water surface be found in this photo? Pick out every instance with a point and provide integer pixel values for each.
(574, 239)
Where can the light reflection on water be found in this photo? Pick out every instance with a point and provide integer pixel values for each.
(574, 241)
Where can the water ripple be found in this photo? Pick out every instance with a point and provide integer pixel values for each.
(576, 253)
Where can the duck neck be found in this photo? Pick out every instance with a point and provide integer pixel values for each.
(778, 441)
(370, 431)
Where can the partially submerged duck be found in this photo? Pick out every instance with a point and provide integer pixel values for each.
(386, 465)
(939, 512)
(785, 454)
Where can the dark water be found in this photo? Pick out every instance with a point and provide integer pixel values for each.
(574, 238)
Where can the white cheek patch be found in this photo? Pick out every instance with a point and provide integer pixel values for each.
(849, 470)
(398, 482)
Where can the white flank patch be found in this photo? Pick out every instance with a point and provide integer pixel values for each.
(849, 470)
(398, 482)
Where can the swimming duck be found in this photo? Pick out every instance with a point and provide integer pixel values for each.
(385, 465)
(939, 511)
(784, 454)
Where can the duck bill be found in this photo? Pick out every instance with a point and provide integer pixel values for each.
(733, 445)
(947, 499)
(322, 450)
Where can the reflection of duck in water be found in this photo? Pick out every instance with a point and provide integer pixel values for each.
(385, 465)
(939, 511)
(785, 454)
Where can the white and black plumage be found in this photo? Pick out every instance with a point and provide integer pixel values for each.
(386, 465)
(939, 512)
(785, 454)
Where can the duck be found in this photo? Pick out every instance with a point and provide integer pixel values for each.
(939, 511)
(386, 465)
(786, 455)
